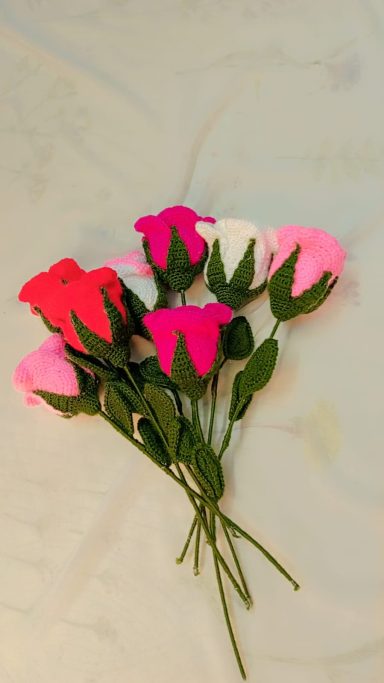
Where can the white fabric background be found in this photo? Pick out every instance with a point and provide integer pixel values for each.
(270, 110)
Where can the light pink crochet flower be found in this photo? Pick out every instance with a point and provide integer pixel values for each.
(319, 252)
(46, 369)
(201, 330)
(157, 232)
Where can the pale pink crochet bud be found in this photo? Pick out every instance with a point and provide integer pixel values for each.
(304, 270)
(47, 378)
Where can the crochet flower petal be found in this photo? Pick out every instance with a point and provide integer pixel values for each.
(66, 270)
(158, 235)
(46, 369)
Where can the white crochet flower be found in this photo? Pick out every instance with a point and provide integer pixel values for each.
(239, 257)
(137, 275)
(234, 236)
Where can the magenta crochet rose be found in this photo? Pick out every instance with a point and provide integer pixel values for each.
(173, 247)
(47, 378)
(187, 342)
(304, 270)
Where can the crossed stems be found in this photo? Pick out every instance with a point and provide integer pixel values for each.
(200, 502)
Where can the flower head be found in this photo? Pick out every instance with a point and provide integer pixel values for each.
(173, 247)
(304, 270)
(187, 342)
(47, 378)
(239, 258)
(87, 307)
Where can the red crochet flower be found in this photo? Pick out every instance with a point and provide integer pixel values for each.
(65, 290)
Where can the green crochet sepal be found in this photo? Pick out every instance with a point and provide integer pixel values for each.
(237, 292)
(138, 309)
(91, 363)
(283, 305)
(208, 471)
(46, 322)
(86, 402)
(184, 375)
(179, 273)
(237, 339)
(116, 352)
(151, 371)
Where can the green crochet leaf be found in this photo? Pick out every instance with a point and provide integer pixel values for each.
(153, 442)
(187, 440)
(83, 360)
(208, 471)
(238, 340)
(283, 305)
(173, 436)
(161, 404)
(235, 399)
(215, 273)
(118, 406)
(183, 372)
(245, 271)
(151, 371)
(130, 396)
(258, 371)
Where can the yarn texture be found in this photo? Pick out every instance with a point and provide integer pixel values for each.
(239, 258)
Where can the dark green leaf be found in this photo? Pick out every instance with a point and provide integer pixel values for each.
(161, 404)
(153, 442)
(207, 469)
(238, 339)
(258, 371)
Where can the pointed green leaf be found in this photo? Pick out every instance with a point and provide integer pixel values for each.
(153, 442)
(236, 406)
(161, 404)
(258, 371)
(118, 406)
(183, 372)
(207, 469)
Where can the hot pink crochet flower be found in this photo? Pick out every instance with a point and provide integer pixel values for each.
(48, 370)
(304, 270)
(200, 328)
(66, 289)
(157, 232)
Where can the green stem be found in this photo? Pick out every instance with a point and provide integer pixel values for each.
(212, 543)
(187, 542)
(196, 564)
(274, 329)
(196, 419)
(224, 604)
(183, 299)
(236, 561)
(214, 385)
(147, 406)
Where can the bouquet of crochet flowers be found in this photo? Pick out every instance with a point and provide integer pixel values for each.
(84, 366)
